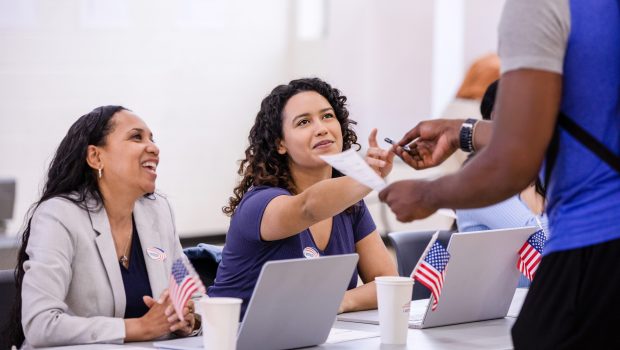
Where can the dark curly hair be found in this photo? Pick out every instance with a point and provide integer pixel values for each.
(263, 165)
(69, 177)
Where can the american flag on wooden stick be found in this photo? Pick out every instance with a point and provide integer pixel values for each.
(530, 254)
(184, 282)
(431, 270)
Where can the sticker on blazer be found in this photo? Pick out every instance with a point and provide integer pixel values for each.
(310, 253)
(156, 253)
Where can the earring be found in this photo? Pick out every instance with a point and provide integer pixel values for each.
(100, 174)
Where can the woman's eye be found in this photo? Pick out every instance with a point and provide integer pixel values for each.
(137, 137)
(328, 115)
(302, 122)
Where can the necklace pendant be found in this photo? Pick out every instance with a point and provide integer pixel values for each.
(124, 260)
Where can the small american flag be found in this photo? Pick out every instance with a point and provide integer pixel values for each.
(432, 270)
(184, 282)
(531, 254)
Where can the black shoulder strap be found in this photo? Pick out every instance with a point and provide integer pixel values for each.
(594, 145)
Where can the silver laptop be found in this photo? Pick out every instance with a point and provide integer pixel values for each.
(479, 284)
(294, 304)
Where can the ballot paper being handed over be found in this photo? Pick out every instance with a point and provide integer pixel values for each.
(353, 165)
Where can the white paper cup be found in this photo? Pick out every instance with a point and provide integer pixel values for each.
(394, 299)
(220, 322)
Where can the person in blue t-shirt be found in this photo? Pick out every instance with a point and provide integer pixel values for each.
(291, 204)
(558, 108)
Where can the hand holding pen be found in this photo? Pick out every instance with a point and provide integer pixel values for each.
(391, 142)
(430, 143)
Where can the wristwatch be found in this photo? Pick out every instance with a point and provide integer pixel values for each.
(466, 135)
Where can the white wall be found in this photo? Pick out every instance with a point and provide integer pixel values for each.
(196, 71)
(198, 86)
(481, 19)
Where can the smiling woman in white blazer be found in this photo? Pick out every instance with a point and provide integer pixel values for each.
(83, 236)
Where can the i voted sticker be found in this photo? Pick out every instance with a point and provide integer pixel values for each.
(156, 253)
(310, 253)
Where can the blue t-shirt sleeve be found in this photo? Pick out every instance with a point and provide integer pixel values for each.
(250, 212)
(363, 224)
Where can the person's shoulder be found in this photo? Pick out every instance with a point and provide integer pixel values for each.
(67, 205)
(533, 34)
(259, 193)
(258, 197)
(67, 210)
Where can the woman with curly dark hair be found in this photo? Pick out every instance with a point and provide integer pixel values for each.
(291, 204)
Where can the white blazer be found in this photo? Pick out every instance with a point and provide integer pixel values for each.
(73, 291)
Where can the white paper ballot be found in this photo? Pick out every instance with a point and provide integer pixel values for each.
(351, 164)
(339, 335)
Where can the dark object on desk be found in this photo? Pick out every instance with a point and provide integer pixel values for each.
(7, 200)
(206, 259)
(7, 296)
(409, 246)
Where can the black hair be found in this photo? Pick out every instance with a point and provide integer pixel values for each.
(70, 177)
(488, 100)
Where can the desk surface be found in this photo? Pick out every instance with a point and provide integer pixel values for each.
(493, 334)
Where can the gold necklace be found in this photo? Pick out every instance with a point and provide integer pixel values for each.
(124, 259)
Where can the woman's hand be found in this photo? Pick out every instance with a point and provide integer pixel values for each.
(185, 326)
(379, 159)
(153, 324)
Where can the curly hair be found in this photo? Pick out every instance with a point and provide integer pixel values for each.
(263, 165)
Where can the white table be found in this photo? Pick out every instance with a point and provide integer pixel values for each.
(493, 334)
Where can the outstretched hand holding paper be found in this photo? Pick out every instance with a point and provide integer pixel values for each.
(351, 164)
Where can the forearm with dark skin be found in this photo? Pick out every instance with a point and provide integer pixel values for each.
(526, 112)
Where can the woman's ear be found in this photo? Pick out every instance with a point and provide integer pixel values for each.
(281, 147)
(93, 157)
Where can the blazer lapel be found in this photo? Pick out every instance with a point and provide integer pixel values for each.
(105, 245)
(151, 237)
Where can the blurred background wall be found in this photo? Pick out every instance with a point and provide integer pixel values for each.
(196, 71)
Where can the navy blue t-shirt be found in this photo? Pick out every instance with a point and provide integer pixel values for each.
(245, 252)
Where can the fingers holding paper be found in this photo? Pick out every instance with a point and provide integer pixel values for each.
(379, 159)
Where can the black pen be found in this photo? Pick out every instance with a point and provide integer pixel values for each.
(389, 140)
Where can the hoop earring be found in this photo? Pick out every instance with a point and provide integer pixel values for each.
(100, 174)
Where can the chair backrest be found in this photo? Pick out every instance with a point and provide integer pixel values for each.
(7, 297)
(409, 246)
(206, 259)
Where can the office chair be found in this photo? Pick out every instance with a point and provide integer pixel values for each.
(7, 297)
(409, 247)
(206, 259)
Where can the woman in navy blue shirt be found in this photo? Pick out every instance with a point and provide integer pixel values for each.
(291, 204)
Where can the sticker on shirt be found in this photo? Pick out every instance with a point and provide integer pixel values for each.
(156, 253)
(310, 253)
